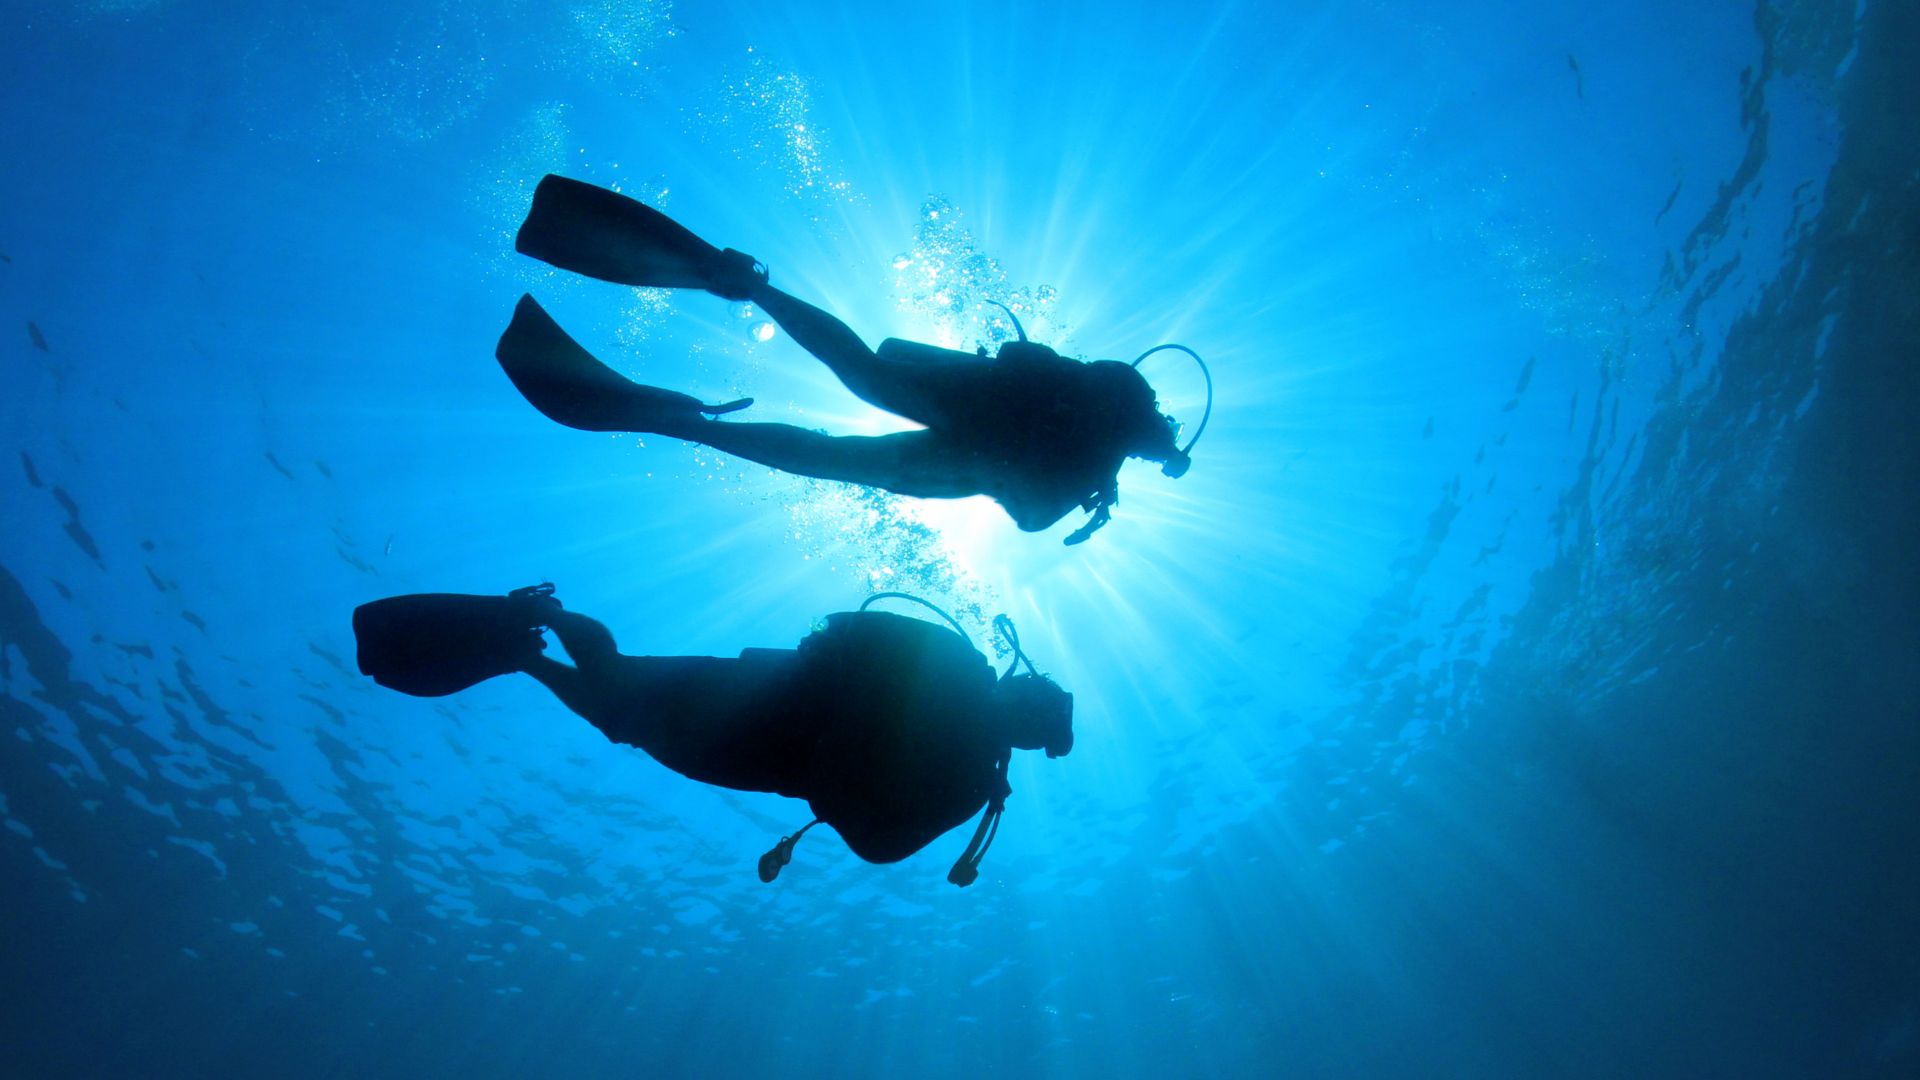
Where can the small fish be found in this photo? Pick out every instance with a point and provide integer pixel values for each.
(1526, 376)
(39, 340)
(76, 531)
(5, 258)
(329, 657)
(1672, 198)
(323, 706)
(356, 563)
(275, 462)
(33, 474)
(1579, 80)
(322, 466)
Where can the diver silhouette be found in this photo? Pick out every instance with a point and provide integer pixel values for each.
(893, 729)
(1039, 433)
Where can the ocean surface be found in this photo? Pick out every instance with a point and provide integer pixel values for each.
(1521, 684)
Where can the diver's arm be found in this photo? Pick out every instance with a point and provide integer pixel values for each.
(1100, 504)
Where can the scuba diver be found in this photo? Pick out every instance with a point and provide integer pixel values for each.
(1038, 433)
(893, 729)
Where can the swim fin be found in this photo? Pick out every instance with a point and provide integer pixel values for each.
(566, 383)
(604, 234)
(433, 644)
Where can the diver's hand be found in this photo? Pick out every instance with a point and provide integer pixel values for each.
(1101, 515)
(1101, 498)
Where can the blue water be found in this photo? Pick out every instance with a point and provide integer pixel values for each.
(1521, 684)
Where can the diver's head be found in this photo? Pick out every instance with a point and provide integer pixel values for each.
(1037, 714)
(1156, 438)
(1174, 461)
(1140, 426)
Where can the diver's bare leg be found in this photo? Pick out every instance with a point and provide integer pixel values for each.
(676, 708)
(574, 689)
(888, 385)
(622, 700)
(917, 463)
(588, 642)
(821, 334)
(590, 688)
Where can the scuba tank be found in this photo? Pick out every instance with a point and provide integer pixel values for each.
(1021, 351)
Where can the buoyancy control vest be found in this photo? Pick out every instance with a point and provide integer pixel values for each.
(907, 749)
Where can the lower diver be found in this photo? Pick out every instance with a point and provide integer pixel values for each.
(893, 729)
(1038, 433)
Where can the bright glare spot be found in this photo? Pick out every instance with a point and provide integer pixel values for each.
(968, 530)
(763, 332)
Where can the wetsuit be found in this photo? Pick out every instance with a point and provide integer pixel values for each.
(881, 722)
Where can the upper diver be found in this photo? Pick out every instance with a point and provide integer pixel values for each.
(893, 729)
(1037, 432)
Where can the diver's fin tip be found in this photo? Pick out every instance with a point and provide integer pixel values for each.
(434, 644)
